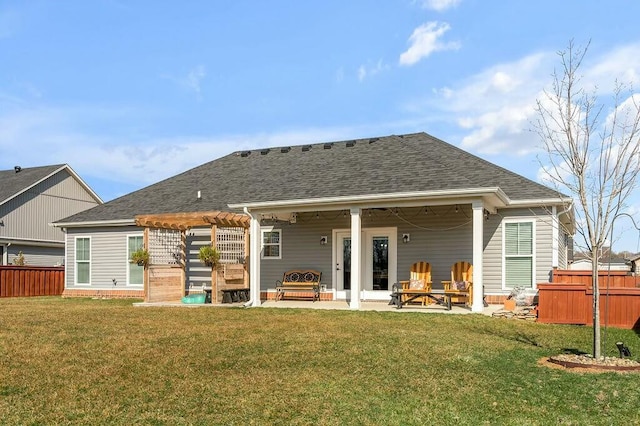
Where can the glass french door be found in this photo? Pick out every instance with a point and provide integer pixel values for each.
(378, 263)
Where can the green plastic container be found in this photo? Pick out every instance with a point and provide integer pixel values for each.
(194, 298)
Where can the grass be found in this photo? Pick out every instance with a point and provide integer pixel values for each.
(81, 361)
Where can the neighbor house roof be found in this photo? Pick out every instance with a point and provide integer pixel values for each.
(19, 180)
(356, 168)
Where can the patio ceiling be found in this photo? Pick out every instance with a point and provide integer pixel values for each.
(184, 221)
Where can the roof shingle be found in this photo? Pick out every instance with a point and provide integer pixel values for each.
(392, 164)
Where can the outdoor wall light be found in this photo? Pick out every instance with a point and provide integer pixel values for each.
(406, 238)
(323, 240)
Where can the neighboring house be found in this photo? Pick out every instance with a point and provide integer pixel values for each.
(634, 263)
(30, 200)
(615, 264)
(360, 211)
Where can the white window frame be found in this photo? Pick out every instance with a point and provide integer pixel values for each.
(264, 230)
(75, 259)
(140, 235)
(531, 220)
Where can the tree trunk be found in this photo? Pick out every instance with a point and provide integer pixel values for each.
(596, 302)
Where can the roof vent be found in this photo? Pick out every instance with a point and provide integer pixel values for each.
(245, 153)
(372, 140)
(17, 169)
(306, 148)
(285, 149)
(264, 151)
(351, 143)
(328, 145)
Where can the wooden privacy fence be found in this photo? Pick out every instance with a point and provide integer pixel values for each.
(24, 281)
(615, 279)
(569, 299)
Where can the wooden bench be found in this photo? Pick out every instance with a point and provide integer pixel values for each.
(299, 281)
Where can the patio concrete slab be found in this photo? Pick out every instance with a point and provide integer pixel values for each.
(380, 306)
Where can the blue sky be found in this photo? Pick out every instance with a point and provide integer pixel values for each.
(131, 92)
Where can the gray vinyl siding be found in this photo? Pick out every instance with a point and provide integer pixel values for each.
(28, 215)
(197, 273)
(108, 256)
(562, 249)
(493, 258)
(440, 237)
(36, 256)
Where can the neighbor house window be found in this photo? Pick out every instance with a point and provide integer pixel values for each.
(83, 260)
(271, 243)
(518, 254)
(135, 271)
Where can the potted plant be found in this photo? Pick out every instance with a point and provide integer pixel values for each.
(140, 256)
(209, 256)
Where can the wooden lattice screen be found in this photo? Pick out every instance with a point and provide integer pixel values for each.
(231, 244)
(165, 246)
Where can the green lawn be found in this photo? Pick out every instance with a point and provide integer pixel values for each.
(81, 361)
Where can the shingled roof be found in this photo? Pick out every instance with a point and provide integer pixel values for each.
(385, 165)
(15, 181)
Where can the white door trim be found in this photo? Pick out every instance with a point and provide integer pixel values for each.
(367, 234)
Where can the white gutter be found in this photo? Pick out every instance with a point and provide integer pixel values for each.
(539, 202)
(376, 199)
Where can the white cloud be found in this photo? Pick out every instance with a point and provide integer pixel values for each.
(425, 40)
(192, 81)
(496, 105)
(369, 70)
(440, 5)
(38, 136)
(621, 63)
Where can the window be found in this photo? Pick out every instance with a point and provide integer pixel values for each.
(83, 260)
(271, 243)
(518, 252)
(134, 272)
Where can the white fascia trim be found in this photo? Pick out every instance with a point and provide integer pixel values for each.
(83, 183)
(372, 200)
(94, 223)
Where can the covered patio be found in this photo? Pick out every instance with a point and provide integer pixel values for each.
(407, 227)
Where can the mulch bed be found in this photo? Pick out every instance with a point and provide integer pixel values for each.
(587, 364)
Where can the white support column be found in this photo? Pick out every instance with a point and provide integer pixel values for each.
(356, 250)
(478, 232)
(555, 227)
(254, 261)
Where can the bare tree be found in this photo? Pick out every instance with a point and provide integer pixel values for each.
(592, 153)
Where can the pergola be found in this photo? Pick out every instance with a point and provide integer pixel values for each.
(164, 279)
